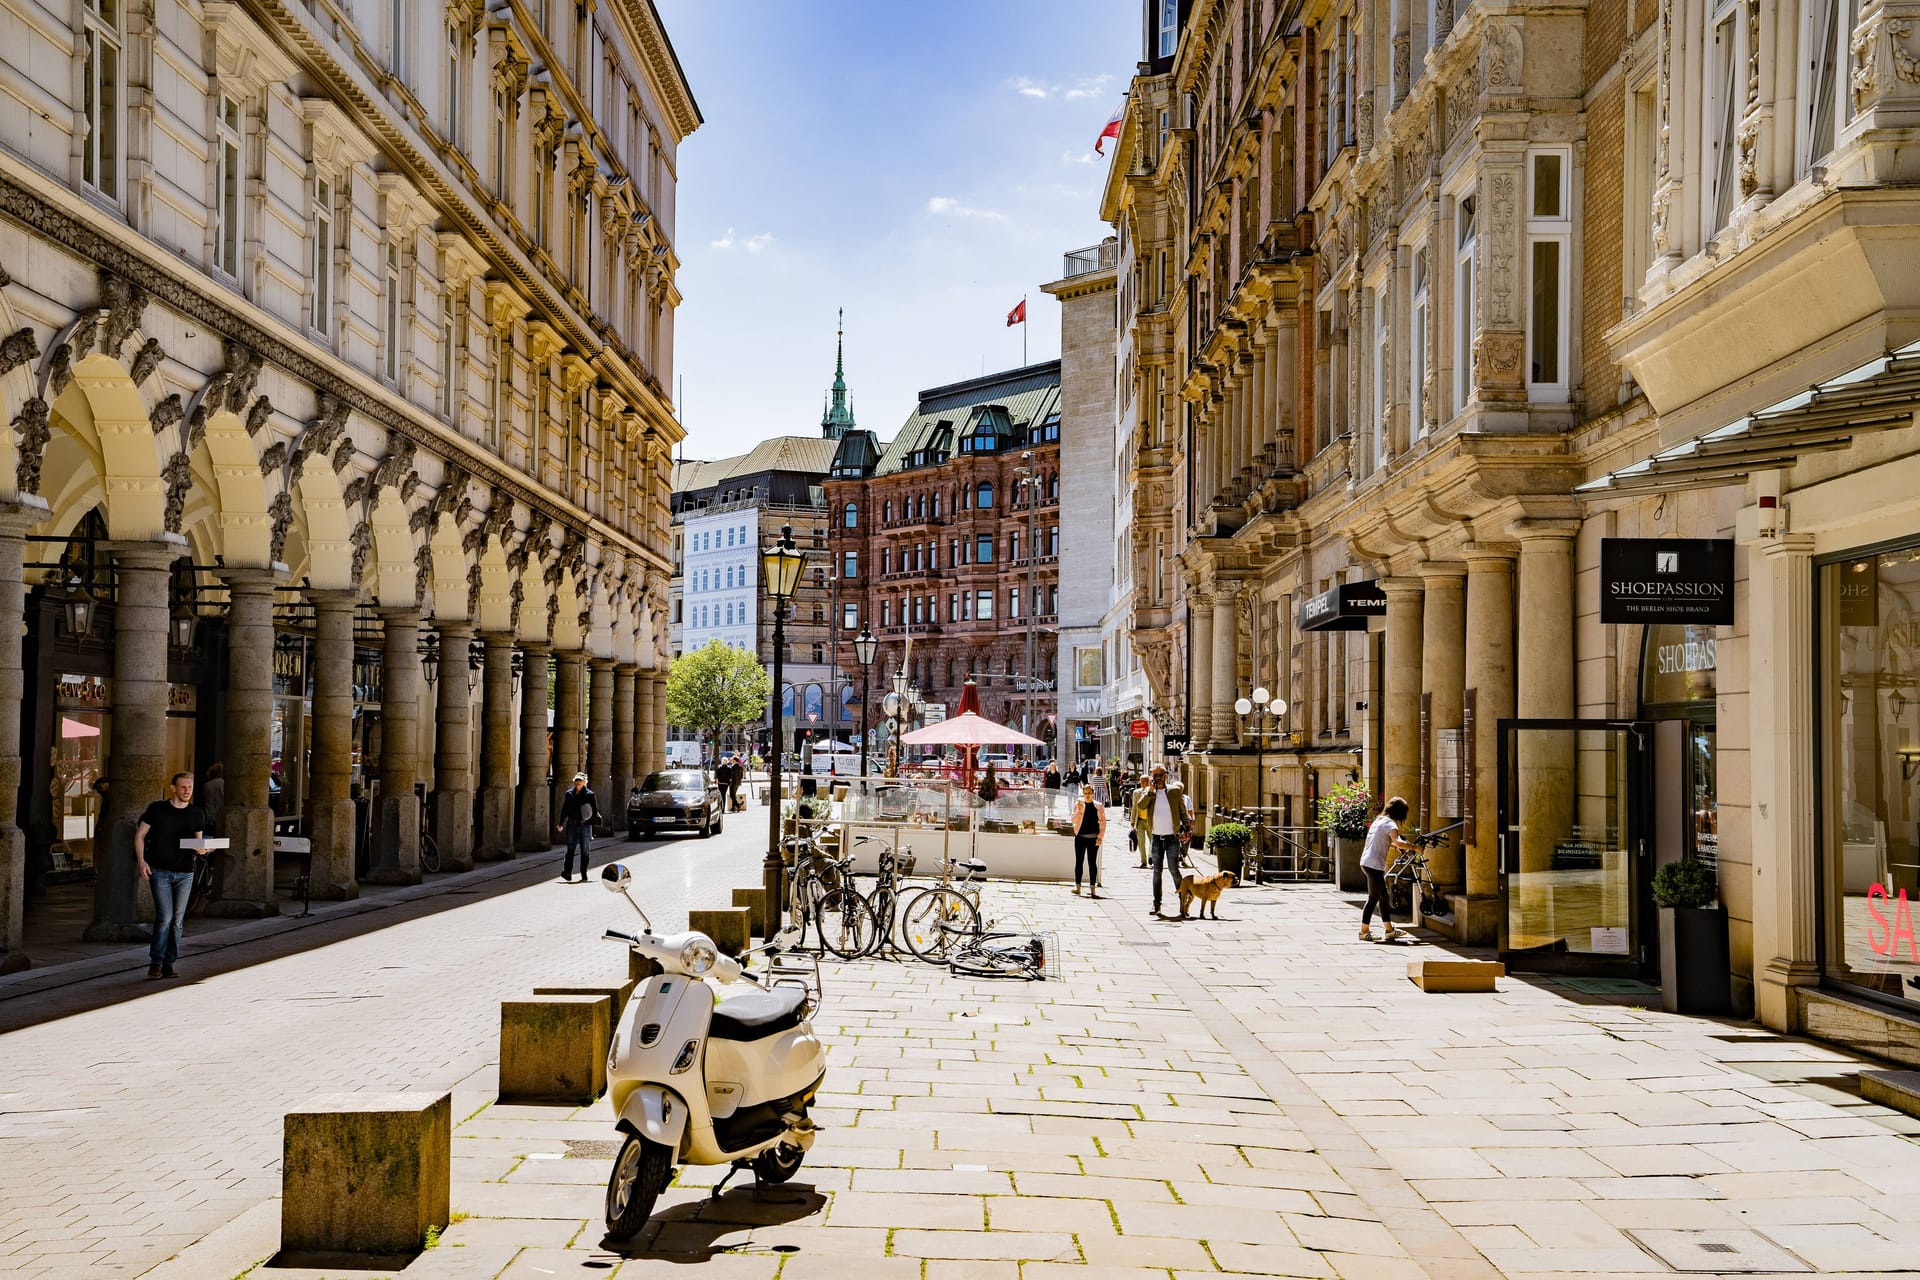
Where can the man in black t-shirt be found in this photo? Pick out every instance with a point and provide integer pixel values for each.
(168, 867)
(578, 808)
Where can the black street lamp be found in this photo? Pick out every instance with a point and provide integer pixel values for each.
(782, 565)
(864, 646)
(1260, 707)
(430, 658)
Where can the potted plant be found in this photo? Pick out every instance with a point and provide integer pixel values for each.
(1695, 967)
(1227, 842)
(1346, 810)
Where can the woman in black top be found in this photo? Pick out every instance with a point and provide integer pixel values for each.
(1089, 829)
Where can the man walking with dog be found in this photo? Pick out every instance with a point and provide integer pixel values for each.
(1162, 819)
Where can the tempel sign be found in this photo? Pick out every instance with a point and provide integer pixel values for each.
(1686, 580)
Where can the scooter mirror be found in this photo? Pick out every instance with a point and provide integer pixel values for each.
(615, 877)
(789, 938)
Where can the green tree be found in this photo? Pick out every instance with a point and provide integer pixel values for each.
(716, 687)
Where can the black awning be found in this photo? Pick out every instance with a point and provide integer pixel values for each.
(1345, 608)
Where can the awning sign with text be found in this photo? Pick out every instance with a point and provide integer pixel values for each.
(1667, 580)
(1345, 608)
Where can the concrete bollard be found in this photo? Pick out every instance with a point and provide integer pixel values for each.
(363, 1177)
(755, 901)
(639, 968)
(727, 926)
(553, 1049)
(618, 992)
(1455, 975)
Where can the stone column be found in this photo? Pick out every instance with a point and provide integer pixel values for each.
(1544, 685)
(1490, 668)
(646, 752)
(248, 820)
(600, 739)
(1226, 725)
(496, 749)
(331, 769)
(625, 734)
(17, 515)
(453, 749)
(657, 726)
(137, 760)
(534, 796)
(1443, 681)
(569, 699)
(1400, 714)
(1785, 878)
(396, 826)
(1200, 652)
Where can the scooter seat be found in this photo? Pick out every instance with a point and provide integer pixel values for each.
(755, 1015)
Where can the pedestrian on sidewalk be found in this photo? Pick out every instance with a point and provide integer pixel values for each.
(1382, 836)
(739, 777)
(1162, 817)
(577, 811)
(168, 868)
(1089, 832)
(1102, 794)
(1051, 778)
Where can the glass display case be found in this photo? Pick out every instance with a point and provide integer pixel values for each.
(1022, 833)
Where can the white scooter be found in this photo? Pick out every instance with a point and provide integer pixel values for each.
(699, 1082)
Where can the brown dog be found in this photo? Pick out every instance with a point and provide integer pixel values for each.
(1207, 889)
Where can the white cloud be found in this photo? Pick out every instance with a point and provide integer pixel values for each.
(948, 207)
(752, 244)
(1086, 87)
(1027, 88)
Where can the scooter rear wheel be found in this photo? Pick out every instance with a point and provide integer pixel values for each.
(640, 1174)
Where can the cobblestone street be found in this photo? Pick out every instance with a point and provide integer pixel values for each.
(1259, 1096)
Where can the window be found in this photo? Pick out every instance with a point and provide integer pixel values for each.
(447, 363)
(953, 606)
(849, 564)
(1053, 600)
(1377, 410)
(451, 83)
(397, 38)
(983, 606)
(1549, 231)
(1643, 126)
(919, 610)
(1053, 540)
(850, 616)
(1013, 544)
(886, 613)
(1013, 602)
(502, 136)
(1417, 349)
(1169, 33)
(542, 169)
(886, 560)
(1829, 25)
(390, 318)
(886, 512)
(983, 549)
(226, 187)
(1465, 234)
(100, 149)
(497, 377)
(983, 495)
(851, 515)
(936, 506)
(323, 257)
(1725, 82)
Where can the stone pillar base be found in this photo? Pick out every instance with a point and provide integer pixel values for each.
(396, 841)
(1475, 922)
(13, 891)
(333, 879)
(249, 866)
(117, 892)
(453, 829)
(536, 831)
(496, 825)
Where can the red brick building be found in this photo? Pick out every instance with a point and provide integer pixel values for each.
(934, 538)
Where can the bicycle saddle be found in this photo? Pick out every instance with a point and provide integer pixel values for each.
(970, 864)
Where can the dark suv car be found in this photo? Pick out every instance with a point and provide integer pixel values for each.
(688, 798)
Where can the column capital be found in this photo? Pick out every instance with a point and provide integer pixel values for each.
(158, 552)
(22, 512)
(333, 599)
(1440, 572)
(251, 580)
(537, 646)
(1535, 529)
(401, 613)
(627, 668)
(599, 663)
(1489, 555)
(501, 636)
(1403, 584)
(454, 626)
(1784, 546)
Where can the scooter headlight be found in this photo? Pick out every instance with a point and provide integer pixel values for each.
(698, 957)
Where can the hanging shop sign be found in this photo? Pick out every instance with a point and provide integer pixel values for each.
(1686, 580)
(1176, 744)
(1345, 608)
(1139, 728)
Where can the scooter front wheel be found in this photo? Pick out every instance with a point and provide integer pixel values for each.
(640, 1174)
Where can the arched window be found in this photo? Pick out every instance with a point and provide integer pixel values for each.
(853, 515)
(983, 496)
(886, 512)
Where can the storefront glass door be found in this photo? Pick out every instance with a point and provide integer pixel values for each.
(1573, 847)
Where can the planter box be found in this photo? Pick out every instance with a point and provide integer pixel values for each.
(1347, 875)
(1695, 966)
(1231, 858)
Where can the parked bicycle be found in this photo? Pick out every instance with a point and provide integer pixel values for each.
(1002, 955)
(429, 847)
(868, 928)
(935, 920)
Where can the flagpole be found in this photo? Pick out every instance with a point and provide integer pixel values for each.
(1023, 330)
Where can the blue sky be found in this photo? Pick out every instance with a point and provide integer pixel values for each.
(922, 163)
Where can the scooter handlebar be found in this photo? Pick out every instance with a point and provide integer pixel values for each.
(614, 935)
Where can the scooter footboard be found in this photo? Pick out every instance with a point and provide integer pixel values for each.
(656, 1114)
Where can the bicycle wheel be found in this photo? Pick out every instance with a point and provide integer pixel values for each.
(846, 923)
(980, 958)
(935, 920)
(884, 903)
(429, 853)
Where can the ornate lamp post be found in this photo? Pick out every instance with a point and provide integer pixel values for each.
(782, 565)
(1261, 706)
(864, 646)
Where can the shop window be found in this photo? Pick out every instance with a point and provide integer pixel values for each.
(1870, 699)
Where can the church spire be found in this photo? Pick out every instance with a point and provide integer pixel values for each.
(838, 419)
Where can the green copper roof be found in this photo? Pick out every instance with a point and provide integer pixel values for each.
(838, 419)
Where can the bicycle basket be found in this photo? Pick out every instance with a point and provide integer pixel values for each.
(905, 862)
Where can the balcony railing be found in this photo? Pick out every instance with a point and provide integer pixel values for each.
(1095, 257)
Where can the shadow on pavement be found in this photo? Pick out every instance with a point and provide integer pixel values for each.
(692, 1232)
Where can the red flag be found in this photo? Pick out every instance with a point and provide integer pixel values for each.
(1018, 315)
(1111, 131)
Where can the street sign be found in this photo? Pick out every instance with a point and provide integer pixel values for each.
(1177, 743)
(1685, 580)
(1139, 729)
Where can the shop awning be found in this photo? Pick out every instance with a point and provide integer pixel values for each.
(1345, 608)
(1882, 393)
